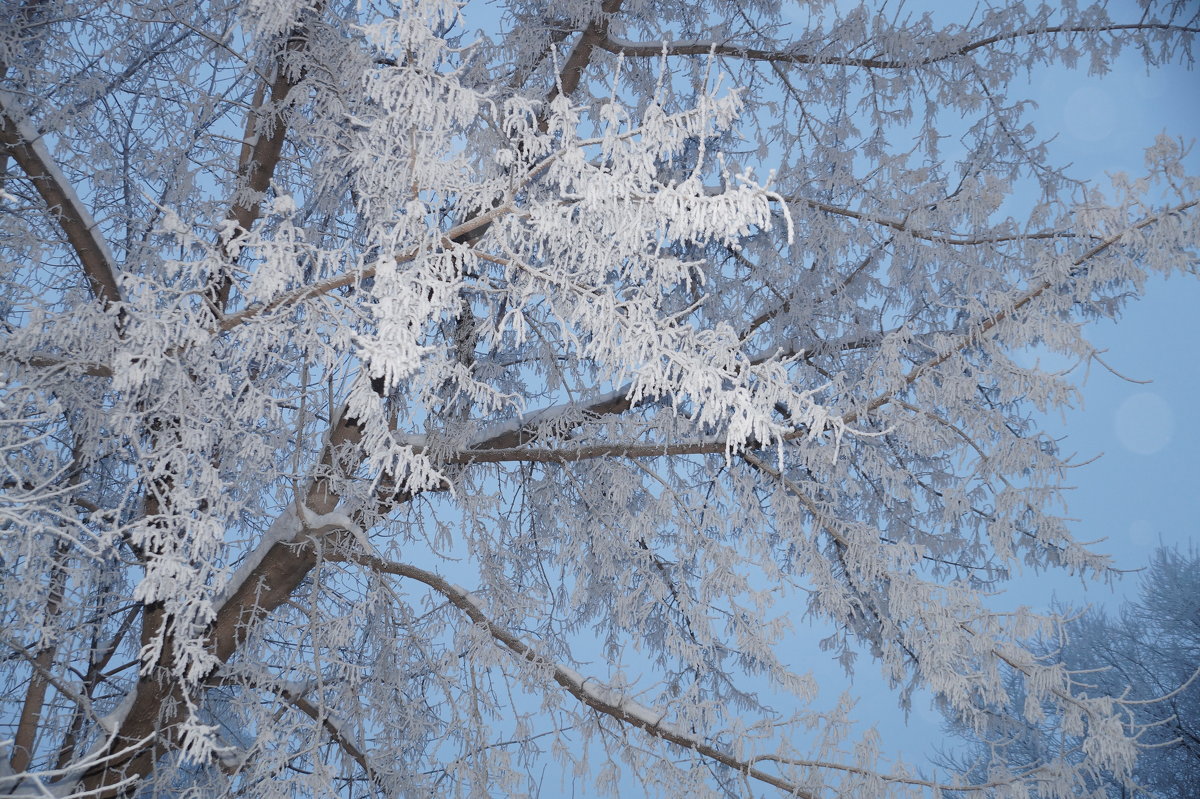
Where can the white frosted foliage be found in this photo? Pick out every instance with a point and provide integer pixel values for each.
(417, 399)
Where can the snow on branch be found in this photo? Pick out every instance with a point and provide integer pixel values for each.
(64, 783)
(22, 141)
(400, 269)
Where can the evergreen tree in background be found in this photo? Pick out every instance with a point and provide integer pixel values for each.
(1148, 656)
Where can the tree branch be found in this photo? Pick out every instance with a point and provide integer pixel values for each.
(42, 670)
(35, 695)
(21, 140)
(581, 55)
(262, 146)
(902, 226)
(784, 55)
(340, 736)
(989, 324)
(265, 581)
(320, 288)
(504, 445)
(617, 705)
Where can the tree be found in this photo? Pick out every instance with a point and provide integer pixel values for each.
(1146, 658)
(317, 312)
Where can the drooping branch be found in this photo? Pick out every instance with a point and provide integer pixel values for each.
(1027, 668)
(616, 704)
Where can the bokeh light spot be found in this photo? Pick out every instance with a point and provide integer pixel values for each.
(1144, 423)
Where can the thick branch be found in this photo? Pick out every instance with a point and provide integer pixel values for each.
(284, 558)
(19, 139)
(593, 37)
(261, 148)
(525, 429)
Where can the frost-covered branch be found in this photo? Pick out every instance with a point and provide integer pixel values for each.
(28, 148)
(262, 146)
(353, 278)
(336, 728)
(1025, 298)
(790, 55)
(956, 240)
(593, 37)
(588, 691)
(615, 704)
